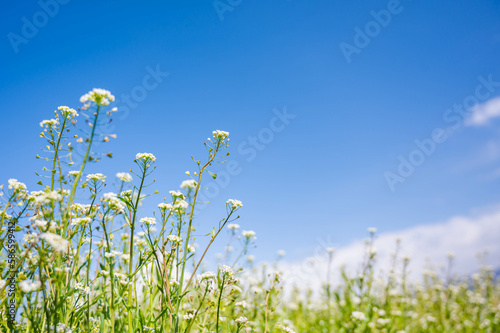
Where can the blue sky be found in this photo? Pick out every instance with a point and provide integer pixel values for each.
(323, 174)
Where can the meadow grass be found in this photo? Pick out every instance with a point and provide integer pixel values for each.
(78, 258)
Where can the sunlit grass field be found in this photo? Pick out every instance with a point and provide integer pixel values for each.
(79, 257)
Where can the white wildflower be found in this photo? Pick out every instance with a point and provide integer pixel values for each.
(207, 276)
(358, 316)
(113, 202)
(241, 320)
(81, 221)
(248, 233)
(176, 194)
(67, 111)
(61, 328)
(218, 134)
(124, 176)
(45, 198)
(96, 177)
(42, 224)
(98, 96)
(15, 185)
(146, 157)
(81, 208)
(235, 204)
(164, 205)
(233, 226)
(30, 238)
(148, 221)
(181, 205)
(29, 286)
(112, 254)
(241, 304)
(188, 184)
(285, 328)
(174, 239)
(226, 270)
(49, 123)
(57, 242)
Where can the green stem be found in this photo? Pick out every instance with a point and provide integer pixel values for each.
(206, 250)
(131, 252)
(218, 302)
(91, 139)
(188, 329)
(111, 265)
(56, 150)
(191, 214)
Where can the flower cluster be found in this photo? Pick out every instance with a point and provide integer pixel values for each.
(29, 286)
(174, 239)
(68, 112)
(58, 243)
(234, 204)
(220, 135)
(96, 177)
(148, 221)
(98, 96)
(207, 276)
(248, 233)
(165, 206)
(180, 206)
(41, 198)
(16, 186)
(357, 315)
(233, 226)
(226, 271)
(285, 328)
(82, 288)
(113, 202)
(146, 157)
(124, 176)
(81, 221)
(49, 123)
(188, 184)
(241, 320)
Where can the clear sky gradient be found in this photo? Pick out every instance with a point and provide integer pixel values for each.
(231, 63)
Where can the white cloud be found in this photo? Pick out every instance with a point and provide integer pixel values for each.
(483, 113)
(466, 237)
